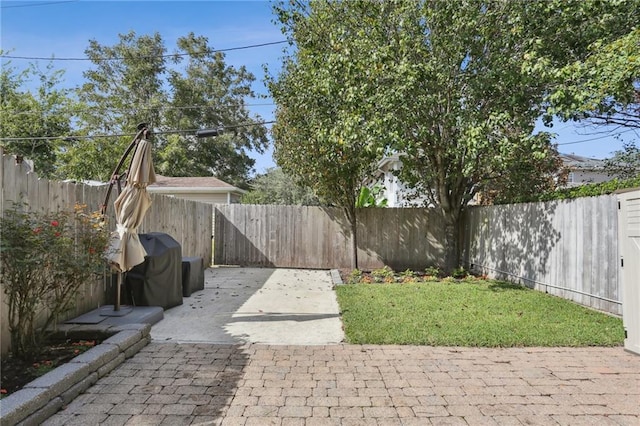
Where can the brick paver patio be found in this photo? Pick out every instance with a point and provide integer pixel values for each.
(206, 384)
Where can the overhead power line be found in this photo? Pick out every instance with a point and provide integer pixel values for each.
(169, 55)
(126, 111)
(595, 139)
(161, 132)
(37, 4)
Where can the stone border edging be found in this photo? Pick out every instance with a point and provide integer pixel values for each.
(44, 396)
(335, 277)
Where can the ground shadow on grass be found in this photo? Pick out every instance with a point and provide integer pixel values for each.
(498, 286)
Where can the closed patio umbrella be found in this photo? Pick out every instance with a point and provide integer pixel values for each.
(130, 209)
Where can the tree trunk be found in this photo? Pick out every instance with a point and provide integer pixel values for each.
(350, 213)
(452, 244)
(354, 244)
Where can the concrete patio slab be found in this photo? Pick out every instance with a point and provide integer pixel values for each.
(256, 305)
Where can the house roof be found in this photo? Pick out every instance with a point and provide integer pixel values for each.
(189, 182)
(573, 161)
(389, 160)
(204, 184)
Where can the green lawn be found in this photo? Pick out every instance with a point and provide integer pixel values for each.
(477, 313)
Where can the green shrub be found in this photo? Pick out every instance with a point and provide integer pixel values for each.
(45, 259)
(355, 277)
(459, 273)
(383, 275)
(432, 271)
(408, 276)
(588, 190)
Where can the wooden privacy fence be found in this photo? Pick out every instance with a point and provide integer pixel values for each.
(319, 237)
(565, 248)
(188, 222)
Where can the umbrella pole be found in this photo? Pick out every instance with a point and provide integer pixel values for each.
(116, 305)
(142, 129)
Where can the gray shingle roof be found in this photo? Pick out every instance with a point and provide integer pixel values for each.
(191, 182)
(573, 161)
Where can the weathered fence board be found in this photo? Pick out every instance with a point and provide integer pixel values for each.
(319, 237)
(188, 222)
(565, 248)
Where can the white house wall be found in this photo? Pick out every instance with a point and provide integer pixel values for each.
(396, 192)
(205, 198)
(581, 177)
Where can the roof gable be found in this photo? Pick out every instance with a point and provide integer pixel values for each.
(191, 182)
(573, 161)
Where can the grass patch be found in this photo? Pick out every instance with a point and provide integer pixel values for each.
(479, 313)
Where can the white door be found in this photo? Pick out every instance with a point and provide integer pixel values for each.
(629, 243)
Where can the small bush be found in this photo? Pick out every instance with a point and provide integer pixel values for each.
(408, 276)
(355, 276)
(587, 190)
(459, 273)
(45, 259)
(383, 275)
(432, 271)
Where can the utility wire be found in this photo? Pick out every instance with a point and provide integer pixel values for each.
(172, 55)
(595, 139)
(162, 132)
(37, 4)
(166, 132)
(158, 108)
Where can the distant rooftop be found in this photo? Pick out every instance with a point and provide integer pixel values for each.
(569, 160)
(579, 162)
(189, 182)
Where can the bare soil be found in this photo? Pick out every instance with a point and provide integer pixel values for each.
(15, 373)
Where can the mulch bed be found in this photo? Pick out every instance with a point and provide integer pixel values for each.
(16, 373)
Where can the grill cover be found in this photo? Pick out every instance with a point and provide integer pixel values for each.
(158, 280)
(192, 275)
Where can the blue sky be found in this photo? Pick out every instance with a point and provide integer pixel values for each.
(63, 29)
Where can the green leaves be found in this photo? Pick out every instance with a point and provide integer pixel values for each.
(455, 88)
(135, 81)
(275, 187)
(46, 258)
(327, 134)
(371, 197)
(604, 85)
(45, 113)
(625, 164)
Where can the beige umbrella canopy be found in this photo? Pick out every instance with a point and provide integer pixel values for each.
(130, 208)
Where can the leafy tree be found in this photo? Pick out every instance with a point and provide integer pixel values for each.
(625, 164)
(44, 113)
(324, 137)
(604, 87)
(526, 178)
(275, 187)
(222, 92)
(136, 81)
(455, 87)
(123, 90)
